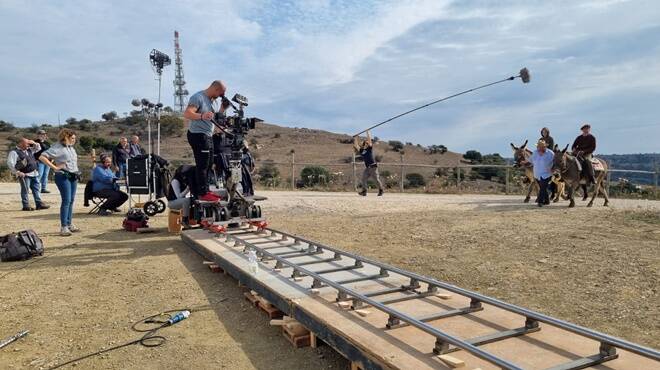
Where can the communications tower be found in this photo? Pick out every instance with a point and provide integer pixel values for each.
(180, 92)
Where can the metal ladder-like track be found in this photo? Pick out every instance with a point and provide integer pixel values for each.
(444, 343)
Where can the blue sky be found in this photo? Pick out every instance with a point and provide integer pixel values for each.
(343, 65)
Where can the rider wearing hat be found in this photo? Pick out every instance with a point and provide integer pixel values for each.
(583, 148)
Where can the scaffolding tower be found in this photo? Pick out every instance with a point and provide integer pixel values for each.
(180, 92)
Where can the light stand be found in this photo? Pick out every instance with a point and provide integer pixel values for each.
(158, 61)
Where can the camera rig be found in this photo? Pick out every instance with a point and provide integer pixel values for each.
(235, 128)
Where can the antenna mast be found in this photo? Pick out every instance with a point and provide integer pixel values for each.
(180, 92)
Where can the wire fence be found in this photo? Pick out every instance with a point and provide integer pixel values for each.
(427, 178)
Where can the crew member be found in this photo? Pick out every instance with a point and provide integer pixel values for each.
(550, 144)
(23, 165)
(542, 160)
(366, 150)
(44, 170)
(179, 188)
(200, 112)
(105, 186)
(134, 148)
(120, 154)
(584, 147)
(247, 169)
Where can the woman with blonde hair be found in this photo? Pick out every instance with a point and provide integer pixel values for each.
(63, 159)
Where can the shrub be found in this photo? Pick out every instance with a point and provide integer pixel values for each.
(409, 143)
(269, 175)
(346, 140)
(440, 172)
(473, 155)
(314, 175)
(415, 180)
(487, 173)
(277, 136)
(433, 149)
(395, 145)
(171, 125)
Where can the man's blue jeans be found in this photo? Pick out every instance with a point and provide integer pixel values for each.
(44, 170)
(67, 190)
(30, 183)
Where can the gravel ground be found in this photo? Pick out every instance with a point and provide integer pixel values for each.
(598, 267)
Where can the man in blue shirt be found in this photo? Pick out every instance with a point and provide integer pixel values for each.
(542, 161)
(200, 112)
(105, 186)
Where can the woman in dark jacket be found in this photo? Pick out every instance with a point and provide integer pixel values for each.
(545, 136)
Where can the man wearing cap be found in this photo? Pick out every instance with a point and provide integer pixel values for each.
(542, 161)
(23, 165)
(583, 147)
(42, 168)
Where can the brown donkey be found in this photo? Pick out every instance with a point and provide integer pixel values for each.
(567, 167)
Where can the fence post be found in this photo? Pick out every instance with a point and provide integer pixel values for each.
(655, 181)
(402, 173)
(354, 174)
(506, 181)
(293, 171)
(458, 179)
(609, 179)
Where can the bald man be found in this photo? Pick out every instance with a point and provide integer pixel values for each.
(200, 112)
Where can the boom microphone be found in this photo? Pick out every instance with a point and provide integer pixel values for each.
(523, 75)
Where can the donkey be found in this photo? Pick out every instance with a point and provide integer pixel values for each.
(567, 167)
(521, 158)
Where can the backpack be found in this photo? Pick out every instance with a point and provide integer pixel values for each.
(20, 246)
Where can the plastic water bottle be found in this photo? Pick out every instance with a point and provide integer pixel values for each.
(179, 317)
(253, 264)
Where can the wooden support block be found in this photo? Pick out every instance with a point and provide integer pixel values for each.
(451, 361)
(264, 302)
(277, 322)
(254, 293)
(144, 230)
(271, 311)
(362, 313)
(288, 319)
(296, 328)
(314, 291)
(313, 340)
(297, 341)
(443, 296)
(344, 305)
(277, 270)
(298, 278)
(208, 263)
(252, 299)
(355, 366)
(215, 268)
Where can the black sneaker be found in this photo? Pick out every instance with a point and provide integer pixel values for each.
(116, 210)
(28, 209)
(42, 206)
(45, 191)
(104, 212)
(363, 193)
(380, 192)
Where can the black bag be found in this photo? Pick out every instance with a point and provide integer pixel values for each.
(20, 246)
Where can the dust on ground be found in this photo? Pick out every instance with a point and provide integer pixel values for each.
(597, 267)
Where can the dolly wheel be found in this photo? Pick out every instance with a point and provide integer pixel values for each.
(160, 206)
(150, 208)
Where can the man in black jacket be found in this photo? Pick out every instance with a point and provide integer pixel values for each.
(120, 154)
(583, 147)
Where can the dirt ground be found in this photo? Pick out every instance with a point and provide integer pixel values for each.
(597, 267)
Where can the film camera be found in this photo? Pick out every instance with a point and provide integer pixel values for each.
(237, 125)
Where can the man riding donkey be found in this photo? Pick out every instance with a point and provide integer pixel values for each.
(522, 159)
(581, 168)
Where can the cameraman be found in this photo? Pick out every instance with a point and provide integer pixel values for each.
(200, 113)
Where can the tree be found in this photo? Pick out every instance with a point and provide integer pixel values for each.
(109, 116)
(168, 109)
(314, 175)
(395, 145)
(472, 155)
(487, 173)
(71, 121)
(6, 126)
(414, 180)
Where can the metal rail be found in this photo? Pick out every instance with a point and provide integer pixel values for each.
(603, 338)
(608, 344)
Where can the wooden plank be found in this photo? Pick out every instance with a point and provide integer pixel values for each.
(452, 361)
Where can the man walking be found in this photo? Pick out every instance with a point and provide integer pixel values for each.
(542, 161)
(583, 147)
(44, 170)
(366, 150)
(23, 165)
(200, 112)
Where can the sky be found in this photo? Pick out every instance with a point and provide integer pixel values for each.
(344, 65)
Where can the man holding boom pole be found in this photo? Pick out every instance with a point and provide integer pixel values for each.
(366, 150)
